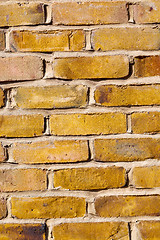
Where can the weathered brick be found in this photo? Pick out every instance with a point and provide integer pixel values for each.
(16, 231)
(149, 229)
(2, 98)
(58, 96)
(48, 40)
(2, 40)
(147, 66)
(48, 207)
(87, 124)
(86, 13)
(127, 206)
(91, 67)
(146, 177)
(126, 149)
(90, 178)
(51, 152)
(3, 208)
(12, 180)
(124, 95)
(122, 38)
(145, 122)
(2, 153)
(91, 230)
(21, 125)
(13, 14)
(21, 68)
(147, 11)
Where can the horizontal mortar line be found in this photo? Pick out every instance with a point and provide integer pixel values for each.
(82, 26)
(86, 164)
(8, 141)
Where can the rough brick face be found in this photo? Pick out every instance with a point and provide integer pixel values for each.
(48, 207)
(2, 40)
(126, 38)
(20, 68)
(13, 14)
(88, 230)
(48, 41)
(91, 67)
(148, 229)
(3, 208)
(126, 149)
(21, 125)
(61, 96)
(22, 180)
(127, 206)
(22, 231)
(86, 124)
(87, 13)
(51, 152)
(90, 178)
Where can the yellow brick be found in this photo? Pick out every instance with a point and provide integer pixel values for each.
(86, 13)
(48, 207)
(111, 95)
(127, 206)
(146, 177)
(90, 178)
(16, 231)
(2, 98)
(91, 67)
(147, 11)
(13, 14)
(126, 149)
(58, 96)
(48, 40)
(149, 230)
(3, 208)
(147, 66)
(21, 125)
(146, 122)
(22, 180)
(20, 68)
(2, 40)
(51, 152)
(87, 124)
(88, 231)
(126, 38)
(2, 153)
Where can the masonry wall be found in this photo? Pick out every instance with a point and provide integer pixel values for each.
(80, 120)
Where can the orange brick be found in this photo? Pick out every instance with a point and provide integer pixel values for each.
(21, 68)
(48, 207)
(22, 231)
(13, 14)
(87, 124)
(126, 149)
(91, 67)
(2, 98)
(149, 229)
(145, 122)
(147, 66)
(3, 208)
(91, 230)
(127, 206)
(2, 40)
(127, 95)
(87, 13)
(50, 97)
(126, 38)
(90, 178)
(48, 40)
(147, 12)
(21, 125)
(51, 152)
(146, 177)
(13, 180)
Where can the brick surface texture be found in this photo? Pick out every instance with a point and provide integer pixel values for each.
(80, 120)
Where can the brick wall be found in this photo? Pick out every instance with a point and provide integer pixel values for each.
(80, 120)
